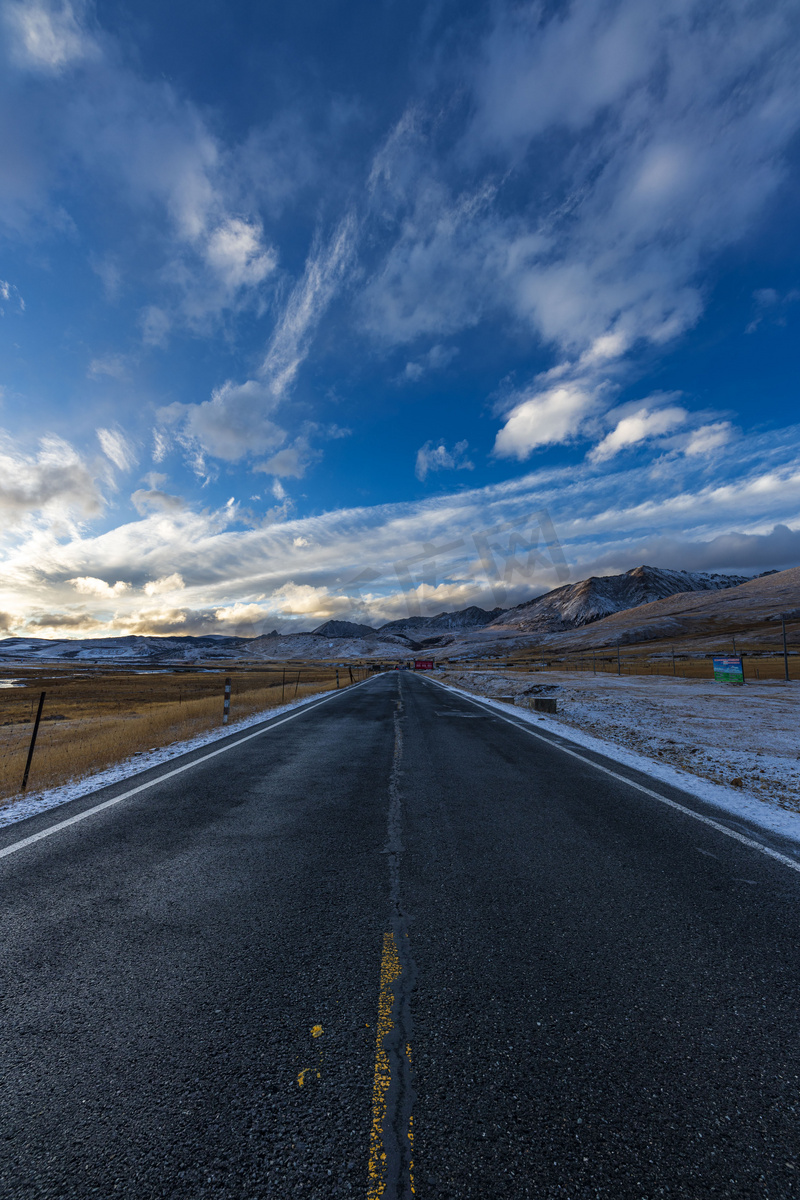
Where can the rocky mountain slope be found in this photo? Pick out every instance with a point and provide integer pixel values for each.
(444, 622)
(753, 607)
(342, 629)
(577, 604)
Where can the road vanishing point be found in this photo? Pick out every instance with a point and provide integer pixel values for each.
(397, 943)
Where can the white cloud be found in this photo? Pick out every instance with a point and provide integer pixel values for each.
(47, 37)
(54, 481)
(165, 585)
(155, 324)
(117, 448)
(432, 457)
(301, 599)
(233, 424)
(160, 445)
(440, 275)
(771, 307)
(325, 272)
(437, 358)
(240, 619)
(291, 462)
(638, 427)
(112, 365)
(10, 295)
(236, 251)
(545, 418)
(708, 438)
(155, 500)
(87, 585)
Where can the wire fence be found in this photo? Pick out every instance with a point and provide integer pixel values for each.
(756, 667)
(93, 719)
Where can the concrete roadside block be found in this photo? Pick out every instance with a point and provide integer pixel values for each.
(546, 704)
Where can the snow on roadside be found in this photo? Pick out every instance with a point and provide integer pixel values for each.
(736, 748)
(17, 808)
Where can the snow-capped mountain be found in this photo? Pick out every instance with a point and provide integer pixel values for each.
(122, 649)
(577, 604)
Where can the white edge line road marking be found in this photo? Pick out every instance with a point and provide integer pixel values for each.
(731, 833)
(89, 812)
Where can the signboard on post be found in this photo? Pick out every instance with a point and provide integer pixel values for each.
(423, 664)
(728, 670)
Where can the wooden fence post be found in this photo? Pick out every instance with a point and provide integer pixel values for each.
(33, 741)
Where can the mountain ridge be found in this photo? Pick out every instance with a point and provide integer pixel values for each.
(575, 604)
(562, 611)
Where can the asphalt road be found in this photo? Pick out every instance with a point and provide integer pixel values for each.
(396, 914)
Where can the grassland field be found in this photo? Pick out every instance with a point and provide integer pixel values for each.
(95, 718)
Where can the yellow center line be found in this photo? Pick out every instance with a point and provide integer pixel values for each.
(390, 973)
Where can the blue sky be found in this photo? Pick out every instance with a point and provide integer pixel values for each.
(291, 294)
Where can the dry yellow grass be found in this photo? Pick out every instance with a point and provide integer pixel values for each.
(93, 721)
(688, 665)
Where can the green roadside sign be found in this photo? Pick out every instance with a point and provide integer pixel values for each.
(728, 670)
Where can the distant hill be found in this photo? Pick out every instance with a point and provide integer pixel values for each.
(577, 604)
(463, 618)
(131, 649)
(343, 629)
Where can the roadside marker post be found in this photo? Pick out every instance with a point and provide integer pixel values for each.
(226, 708)
(33, 741)
(337, 679)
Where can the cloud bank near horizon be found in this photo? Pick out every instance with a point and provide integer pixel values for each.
(184, 570)
(256, 349)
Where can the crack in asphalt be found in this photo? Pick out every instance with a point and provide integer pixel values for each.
(398, 1122)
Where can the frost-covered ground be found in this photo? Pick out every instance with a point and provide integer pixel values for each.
(746, 739)
(17, 808)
